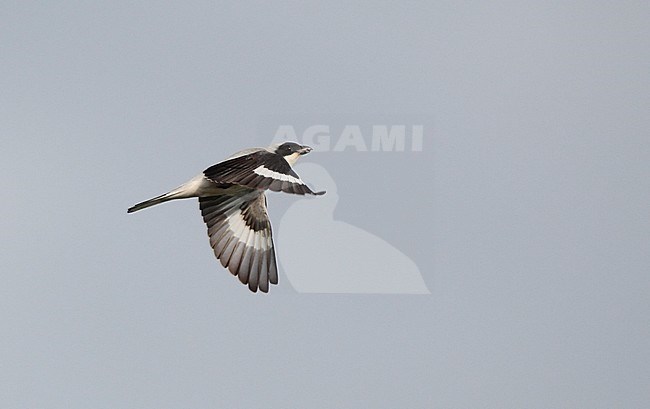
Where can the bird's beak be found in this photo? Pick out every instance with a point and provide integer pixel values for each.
(304, 150)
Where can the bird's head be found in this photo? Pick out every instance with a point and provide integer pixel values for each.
(291, 151)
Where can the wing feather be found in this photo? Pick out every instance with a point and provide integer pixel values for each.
(240, 235)
(259, 170)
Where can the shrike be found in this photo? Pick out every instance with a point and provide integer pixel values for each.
(233, 205)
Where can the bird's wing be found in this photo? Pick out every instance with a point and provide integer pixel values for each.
(240, 234)
(259, 170)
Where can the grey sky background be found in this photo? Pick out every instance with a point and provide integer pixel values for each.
(526, 211)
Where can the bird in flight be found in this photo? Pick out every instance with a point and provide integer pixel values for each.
(233, 206)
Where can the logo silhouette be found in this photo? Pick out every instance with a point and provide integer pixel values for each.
(321, 255)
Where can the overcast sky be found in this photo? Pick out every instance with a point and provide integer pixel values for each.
(526, 210)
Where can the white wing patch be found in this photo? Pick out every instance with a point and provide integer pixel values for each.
(240, 235)
(241, 231)
(268, 173)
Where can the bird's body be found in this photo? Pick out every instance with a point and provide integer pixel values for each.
(233, 206)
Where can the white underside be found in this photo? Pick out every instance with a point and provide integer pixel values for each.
(292, 158)
(200, 186)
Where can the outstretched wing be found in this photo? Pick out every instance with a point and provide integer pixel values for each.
(259, 170)
(240, 234)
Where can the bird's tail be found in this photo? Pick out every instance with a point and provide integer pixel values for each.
(177, 193)
(148, 203)
(184, 191)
